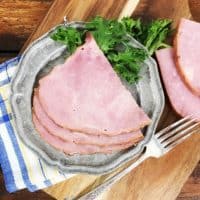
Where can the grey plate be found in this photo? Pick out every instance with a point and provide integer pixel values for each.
(37, 60)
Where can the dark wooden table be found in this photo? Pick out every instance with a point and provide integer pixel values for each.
(18, 19)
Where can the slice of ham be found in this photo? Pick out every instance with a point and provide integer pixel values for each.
(187, 53)
(72, 148)
(78, 137)
(86, 95)
(182, 99)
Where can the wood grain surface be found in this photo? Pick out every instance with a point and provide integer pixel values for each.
(18, 18)
(154, 179)
(191, 189)
(76, 10)
(195, 9)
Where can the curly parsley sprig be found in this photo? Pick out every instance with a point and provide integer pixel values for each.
(110, 35)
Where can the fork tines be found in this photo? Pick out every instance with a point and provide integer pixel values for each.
(178, 131)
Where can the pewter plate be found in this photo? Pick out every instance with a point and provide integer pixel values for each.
(37, 61)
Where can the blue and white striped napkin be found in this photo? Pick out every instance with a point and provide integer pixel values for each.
(21, 167)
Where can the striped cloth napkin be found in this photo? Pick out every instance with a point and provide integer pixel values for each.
(21, 167)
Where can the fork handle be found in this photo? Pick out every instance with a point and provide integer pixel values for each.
(108, 183)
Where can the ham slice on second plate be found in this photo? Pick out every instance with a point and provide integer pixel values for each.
(72, 148)
(86, 95)
(182, 99)
(78, 137)
(187, 53)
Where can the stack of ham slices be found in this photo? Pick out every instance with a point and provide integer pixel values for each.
(180, 69)
(81, 106)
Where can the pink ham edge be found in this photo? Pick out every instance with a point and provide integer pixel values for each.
(71, 148)
(78, 137)
(86, 95)
(187, 53)
(182, 99)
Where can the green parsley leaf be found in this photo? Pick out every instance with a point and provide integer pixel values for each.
(107, 33)
(151, 35)
(133, 27)
(157, 32)
(128, 63)
(111, 36)
(69, 36)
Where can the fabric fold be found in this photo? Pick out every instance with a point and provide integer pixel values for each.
(21, 167)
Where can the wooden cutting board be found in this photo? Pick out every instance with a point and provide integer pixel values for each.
(155, 178)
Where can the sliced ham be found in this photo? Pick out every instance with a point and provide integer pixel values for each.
(78, 137)
(72, 148)
(182, 99)
(187, 53)
(86, 95)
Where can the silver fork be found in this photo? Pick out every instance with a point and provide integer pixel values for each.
(161, 143)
